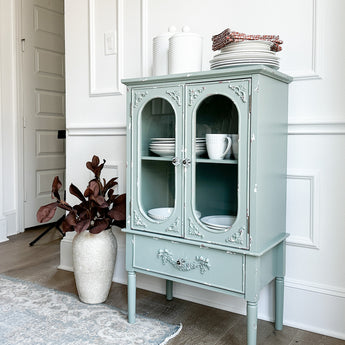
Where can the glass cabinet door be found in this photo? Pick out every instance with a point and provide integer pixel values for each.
(157, 152)
(217, 177)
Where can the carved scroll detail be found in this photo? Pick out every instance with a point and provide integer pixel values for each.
(237, 237)
(240, 91)
(138, 97)
(175, 95)
(138, 221)
(182, 264)
(193, 94)
(193, 230)
(174, 226)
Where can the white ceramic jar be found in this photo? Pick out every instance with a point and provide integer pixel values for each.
(160, 48)
(185, 52)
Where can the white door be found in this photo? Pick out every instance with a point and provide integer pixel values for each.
(43, 74)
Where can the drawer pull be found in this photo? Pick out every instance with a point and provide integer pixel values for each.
(182, 264)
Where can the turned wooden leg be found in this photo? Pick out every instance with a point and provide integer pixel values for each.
(252, 322)
(279, 308)
(169, 290)
(131, 292)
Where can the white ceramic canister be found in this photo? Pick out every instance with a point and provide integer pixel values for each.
(160, 48)
(185, 52)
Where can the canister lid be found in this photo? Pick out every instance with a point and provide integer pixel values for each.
(171, 31)
(186, 33)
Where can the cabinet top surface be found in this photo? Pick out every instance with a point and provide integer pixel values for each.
(225, 73)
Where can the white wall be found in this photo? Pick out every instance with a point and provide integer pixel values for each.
(9, 221)
(313, 54)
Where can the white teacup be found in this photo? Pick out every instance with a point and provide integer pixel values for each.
(218, 145)
(234, 145)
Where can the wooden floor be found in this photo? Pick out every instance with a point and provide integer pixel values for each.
(201, 325)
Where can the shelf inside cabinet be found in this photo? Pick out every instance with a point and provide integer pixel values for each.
(216, 161)
(154, 158)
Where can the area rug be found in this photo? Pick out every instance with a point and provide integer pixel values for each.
(35, 315)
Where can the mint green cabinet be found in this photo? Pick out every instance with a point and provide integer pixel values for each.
(215, 224)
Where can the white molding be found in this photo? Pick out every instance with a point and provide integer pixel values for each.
(312, 241)
(302, 126)
(323, 289)
(99, 130)
(118, 89)
(315, 70)
(3, 230)
(299, 294)
(307, 327)
(145, 71)
(120, 166)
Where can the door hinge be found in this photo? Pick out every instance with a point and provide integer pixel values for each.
(24, 122)
(22, 45)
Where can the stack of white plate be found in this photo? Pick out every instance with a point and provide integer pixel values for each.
(166, 146)
(163, 146)
(249, 52)
(200, 146)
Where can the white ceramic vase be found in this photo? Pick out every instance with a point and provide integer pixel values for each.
(94, 257)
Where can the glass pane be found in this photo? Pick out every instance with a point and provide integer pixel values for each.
(216, 178)
(157, 147)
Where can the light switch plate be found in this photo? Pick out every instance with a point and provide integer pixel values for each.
(109, 43)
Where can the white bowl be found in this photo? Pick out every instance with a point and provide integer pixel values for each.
(160, 213)
(219, 221)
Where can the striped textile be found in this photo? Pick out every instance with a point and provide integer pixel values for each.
(227, 36)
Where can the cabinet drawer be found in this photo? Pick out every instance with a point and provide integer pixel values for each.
(197, 264)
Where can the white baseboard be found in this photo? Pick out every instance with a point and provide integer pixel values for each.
(66, 261)
(3, 230)
(12, 224)
(308, 306)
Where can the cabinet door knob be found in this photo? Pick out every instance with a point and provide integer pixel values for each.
(186, 162)
(176, 161)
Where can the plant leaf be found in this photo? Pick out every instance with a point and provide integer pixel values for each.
(100, 201)
(82, 225)
(55, 188)
(110, 184)
(100, 225)
(71, 218)
(63, 204)
(94, 187)
(46, 212)
(76, 192)
(118, 212)
(95, 161)
(98, 169)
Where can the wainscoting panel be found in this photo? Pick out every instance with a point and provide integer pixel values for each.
(105, 47)
(303, 208)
